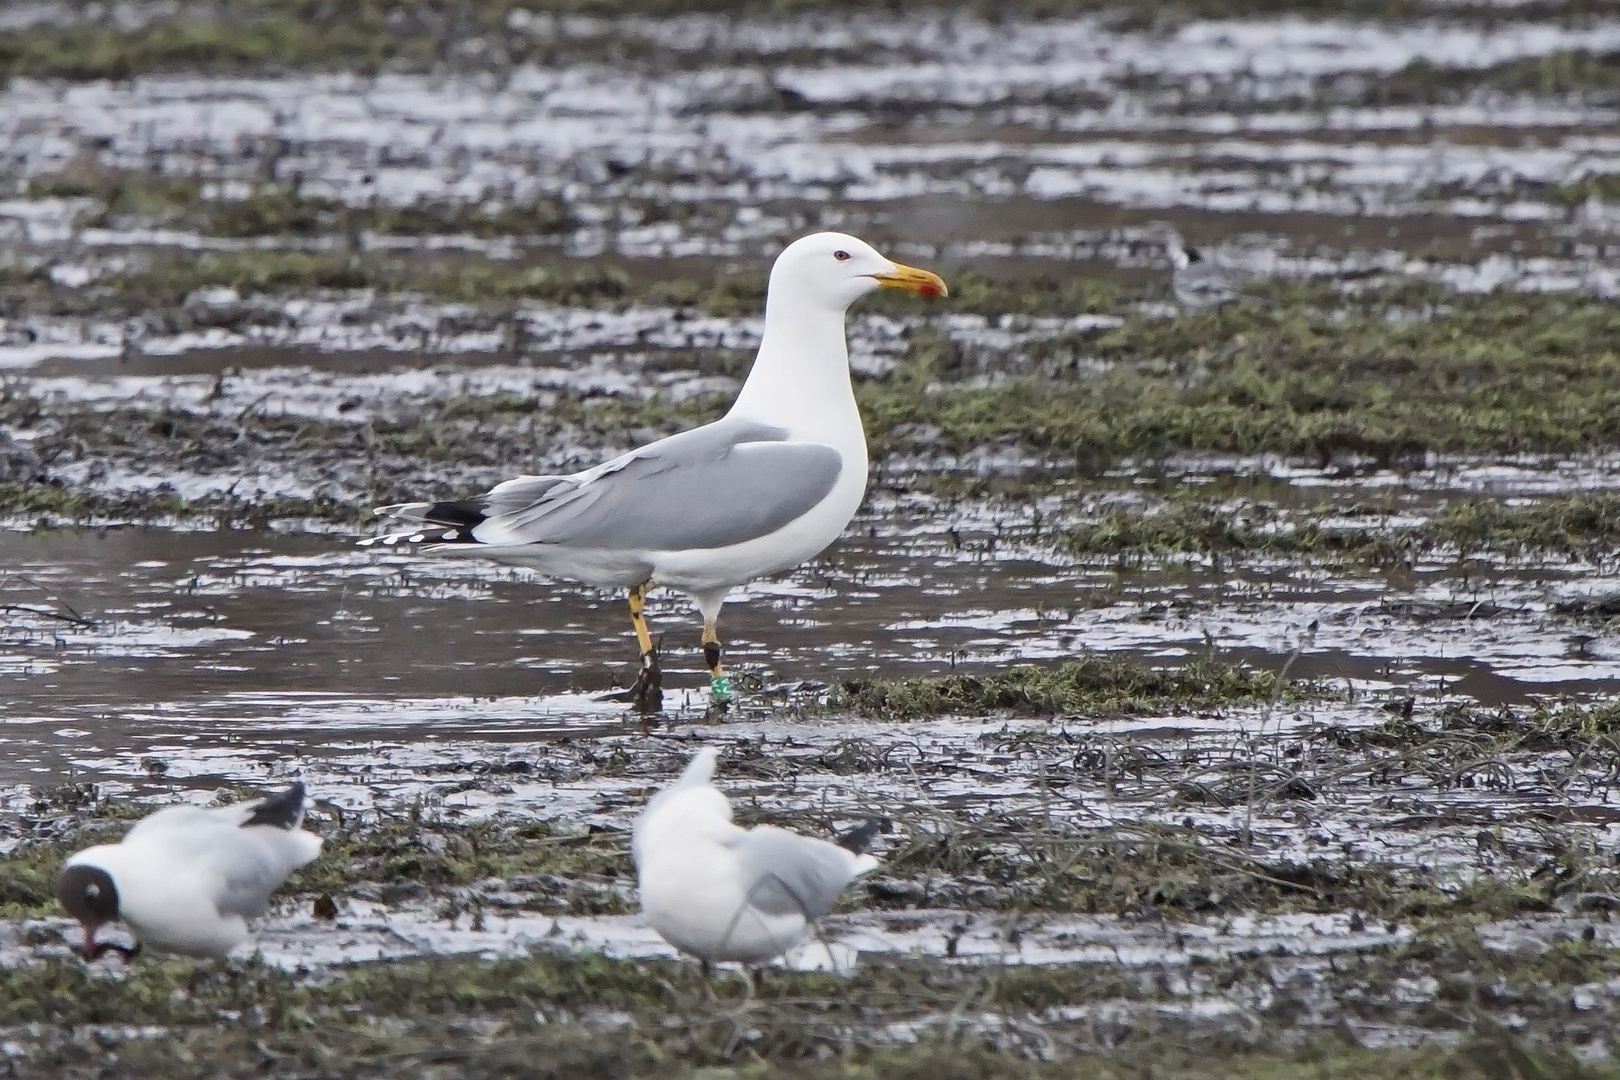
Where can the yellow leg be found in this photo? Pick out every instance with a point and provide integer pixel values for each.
(647, 694)
(638, 604)
(719, 685)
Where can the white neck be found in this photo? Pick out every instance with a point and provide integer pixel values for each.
(800, 380)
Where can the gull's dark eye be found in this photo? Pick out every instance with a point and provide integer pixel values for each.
(841, 256)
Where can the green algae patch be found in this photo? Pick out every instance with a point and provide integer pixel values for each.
(1025, 864)
(1604, 187)
(168, 281)
(1556, 74)
(367, 36)
(193, 43)
(588, 1017)
(1390, 377)
(1543, 725)
(179, 992)
(59, 502)
(51, 504)
(569, 873)
(1093, 684)
(1501, 374)
(165, 279)
(1579, 527)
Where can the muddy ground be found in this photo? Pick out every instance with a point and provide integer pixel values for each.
(1237, 687)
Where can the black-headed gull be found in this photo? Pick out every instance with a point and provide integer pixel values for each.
(757, 492)
(187, 880)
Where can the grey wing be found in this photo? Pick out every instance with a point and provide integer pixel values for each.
(177, 819)
(522, 492)
(1205, 288)
(792, 874)
(189, 823)
(711, 487)
(251, 864)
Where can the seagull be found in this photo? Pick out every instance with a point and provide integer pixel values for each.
(1198, 284)
(724, 893)
(185, 879)
(757, 492)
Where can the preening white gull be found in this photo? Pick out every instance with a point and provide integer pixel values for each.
(720, 892)
(757, 492)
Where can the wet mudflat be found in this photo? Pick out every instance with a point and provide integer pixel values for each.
(1237, 686)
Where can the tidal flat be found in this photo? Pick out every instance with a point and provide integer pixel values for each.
(1235, 688)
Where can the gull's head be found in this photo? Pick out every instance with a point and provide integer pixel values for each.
(833, 270)
(677, 819)
(689, 809)
(1175, 248)
(89, 895)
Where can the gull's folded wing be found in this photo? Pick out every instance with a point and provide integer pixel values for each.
(715, 486)
(792, 874)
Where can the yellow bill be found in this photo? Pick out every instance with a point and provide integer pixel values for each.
(911, 279)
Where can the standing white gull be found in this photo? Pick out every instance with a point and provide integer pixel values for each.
(185, 879)
(757, 492)
(724, 893)
(1197, 283)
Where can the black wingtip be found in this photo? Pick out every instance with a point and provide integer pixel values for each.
(127, 952)
(461, 516)
(860, 838)
(1193, 254)
(283, 811)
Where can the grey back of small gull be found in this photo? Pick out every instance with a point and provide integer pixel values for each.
(1200, 285)
(1197, 282)
(786, 873)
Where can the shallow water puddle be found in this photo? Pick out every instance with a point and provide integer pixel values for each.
(1162, 785)
(124, 640)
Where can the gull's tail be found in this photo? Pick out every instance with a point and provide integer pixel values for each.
(858, 839)
(508, 506)
(431, 523)
(288, 846)
(282, 811)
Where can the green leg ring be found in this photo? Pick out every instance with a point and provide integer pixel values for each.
(720, 688)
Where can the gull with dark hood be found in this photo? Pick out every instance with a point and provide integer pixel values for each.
(187, 880)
